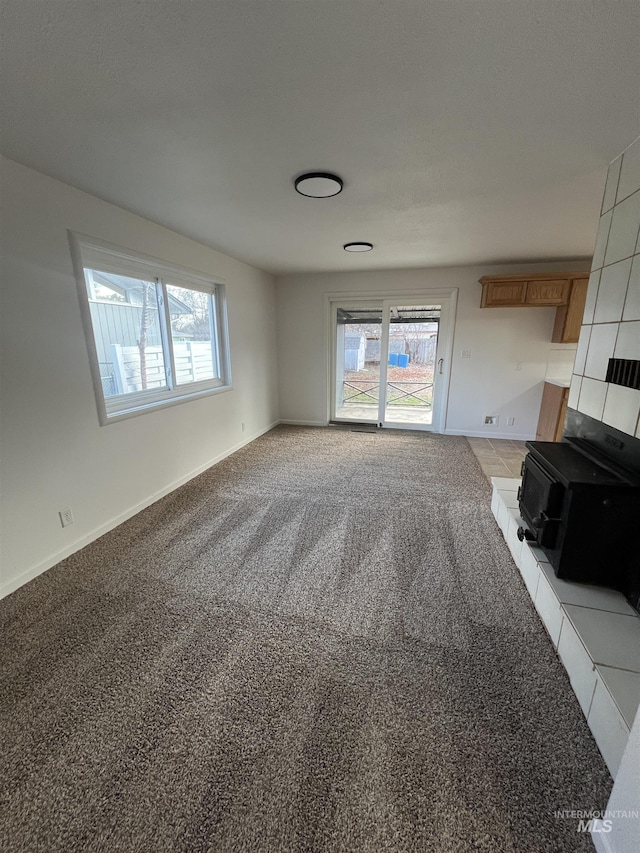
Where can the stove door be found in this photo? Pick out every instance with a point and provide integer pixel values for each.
(540, 500)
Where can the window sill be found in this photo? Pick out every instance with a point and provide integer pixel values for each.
(144, 408)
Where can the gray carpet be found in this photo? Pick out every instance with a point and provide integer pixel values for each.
(320, 644)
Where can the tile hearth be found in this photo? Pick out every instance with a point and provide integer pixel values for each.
(594, 630)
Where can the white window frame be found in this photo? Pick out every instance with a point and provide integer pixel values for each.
(93, 254)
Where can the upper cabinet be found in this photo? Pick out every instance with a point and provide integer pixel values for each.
(569, 317)
(502, 293)
(552, 292)
(565, 291)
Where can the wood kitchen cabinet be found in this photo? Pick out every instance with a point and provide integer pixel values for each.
(565, 291)
(552, 292)
(499, 293)
(520, 291)
(569, 317)
(553, 410)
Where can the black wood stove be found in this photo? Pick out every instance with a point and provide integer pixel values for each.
(583, 510)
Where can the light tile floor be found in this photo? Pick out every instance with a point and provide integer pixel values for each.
(499, 457)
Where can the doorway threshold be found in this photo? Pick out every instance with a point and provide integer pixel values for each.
(355, 426)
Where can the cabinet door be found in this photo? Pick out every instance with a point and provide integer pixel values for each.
(562, 414)
(569, 317)
(552, 411)
(548, 292)
(503, 293)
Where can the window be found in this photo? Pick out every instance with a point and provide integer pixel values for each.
(156, 335)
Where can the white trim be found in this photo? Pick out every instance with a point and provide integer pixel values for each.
(87, 252)
(102, 248)
(223, 345)
(447, 297)
(28, 575)
(444, 351)
(87, 326)
(304, 423)
(167, 350)
(163, 403)
(486, 434)
(437, 293)
(385, 319)
(331, 336)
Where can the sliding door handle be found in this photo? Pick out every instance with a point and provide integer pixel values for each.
(440, 363)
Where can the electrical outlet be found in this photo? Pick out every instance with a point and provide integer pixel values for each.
(466, 353)
(491, 420)
(511, 421)
(66, 517)
(518, 366)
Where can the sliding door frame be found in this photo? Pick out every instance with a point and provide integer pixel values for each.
(445, 297)
(334, 304)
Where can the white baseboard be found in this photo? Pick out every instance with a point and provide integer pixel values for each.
(513, 436)
(15, 583)
(303, 423)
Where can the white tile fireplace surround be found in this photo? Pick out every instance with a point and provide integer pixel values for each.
(611, 321)
(595, 632)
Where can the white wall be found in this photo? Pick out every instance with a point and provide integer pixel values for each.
(611, 322)
(487, 383)
(54, 453)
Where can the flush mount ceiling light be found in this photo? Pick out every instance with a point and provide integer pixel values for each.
(358, 247)
(318, 185)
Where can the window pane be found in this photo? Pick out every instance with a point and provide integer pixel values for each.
(126, 329)
(193, 336)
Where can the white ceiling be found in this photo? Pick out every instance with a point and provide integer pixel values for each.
(471, 131)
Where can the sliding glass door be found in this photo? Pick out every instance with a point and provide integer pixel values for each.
(357, 363)
(411, 364)
(386, 363)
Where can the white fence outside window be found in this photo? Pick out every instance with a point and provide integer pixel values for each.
(192, 360)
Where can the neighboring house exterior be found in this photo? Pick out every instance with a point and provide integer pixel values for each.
(121, 320)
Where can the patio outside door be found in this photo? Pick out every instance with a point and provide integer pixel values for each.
(386, 363)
